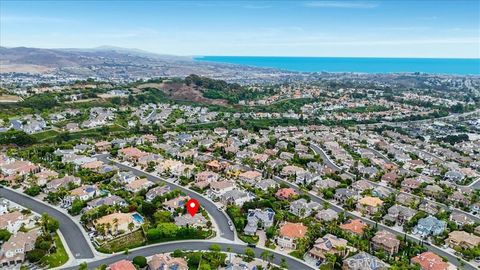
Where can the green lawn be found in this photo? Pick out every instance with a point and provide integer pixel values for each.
(45, 135)
(251, 239)
(60, 257)
(128, 241)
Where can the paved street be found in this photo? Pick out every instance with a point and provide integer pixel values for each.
(292, 263)
(451, 258)
(70, 231)
(220, 217)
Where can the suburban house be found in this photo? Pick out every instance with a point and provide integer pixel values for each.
(197, 221)
(63, 182)
(462, 239)
(122, 265)
(157, 191)
(430, 261)
(126, 177)
(175, 203)
(167, 262)
(369, 205)
(13, 251)
(131, 154)
(364, 261)
(236, 197)
(328, 244)
(429, 226)
(289, 233)
(342, 194)
(139, 185)
(355, 226)
(13, 221)
(119, 222)
(326, 215)
(109, 200)
(256, 217)
(399, 214)
(250, 177)
(285, 193)
(302, 208)
(217, 189)
(386, 241)
(203, 179)
(84, 193)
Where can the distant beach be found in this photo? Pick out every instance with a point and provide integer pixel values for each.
(355, 64)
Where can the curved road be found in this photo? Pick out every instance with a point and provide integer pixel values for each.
(292, 263)
(73, 235)
(220, 217)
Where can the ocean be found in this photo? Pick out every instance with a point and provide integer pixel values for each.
(356, 64)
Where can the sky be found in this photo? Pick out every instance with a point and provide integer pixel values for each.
(426, 29)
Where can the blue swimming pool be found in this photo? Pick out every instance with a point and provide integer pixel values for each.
(137, 218)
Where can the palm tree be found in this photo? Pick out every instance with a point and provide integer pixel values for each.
(265, 254)
(131, 226)
(115, 224)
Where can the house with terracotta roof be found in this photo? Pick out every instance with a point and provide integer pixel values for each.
(462, 239)
(289, 233)
(285, 193)
(131, 154)
(430, 261)
(13, 251)
(84, 193)
(203, 179)
(13, 221)
(355, 226)
(119, 222)
(167, 262)
(44, 176)
(369, 205)
(138, 185)
(64, 182)
(122, 265)
(250, 177)
(386, 241)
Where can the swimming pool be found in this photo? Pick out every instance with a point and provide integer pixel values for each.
(137, 217)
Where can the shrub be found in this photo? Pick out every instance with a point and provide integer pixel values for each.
(140, 261)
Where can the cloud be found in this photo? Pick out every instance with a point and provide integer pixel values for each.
(341, 4)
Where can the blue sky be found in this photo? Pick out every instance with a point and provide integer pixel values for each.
(265, 28)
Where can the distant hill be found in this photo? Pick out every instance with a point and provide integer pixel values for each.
(113, 62)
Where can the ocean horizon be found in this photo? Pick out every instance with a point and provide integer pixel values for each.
(451, 66)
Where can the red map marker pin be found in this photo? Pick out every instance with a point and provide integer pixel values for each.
(192, 206)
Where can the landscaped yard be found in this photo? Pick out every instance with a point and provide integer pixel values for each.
(60, 257)
(251, 239)
(131, 240)
(45, 135)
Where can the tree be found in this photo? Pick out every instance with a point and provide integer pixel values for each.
(140, 261)
(36, 255)
(33, 190)
(4, 235)
(250, 253)
(131, 226)
(215, 247)
(77, 206)
(283, 263)
(83, 266)
(49, 224)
